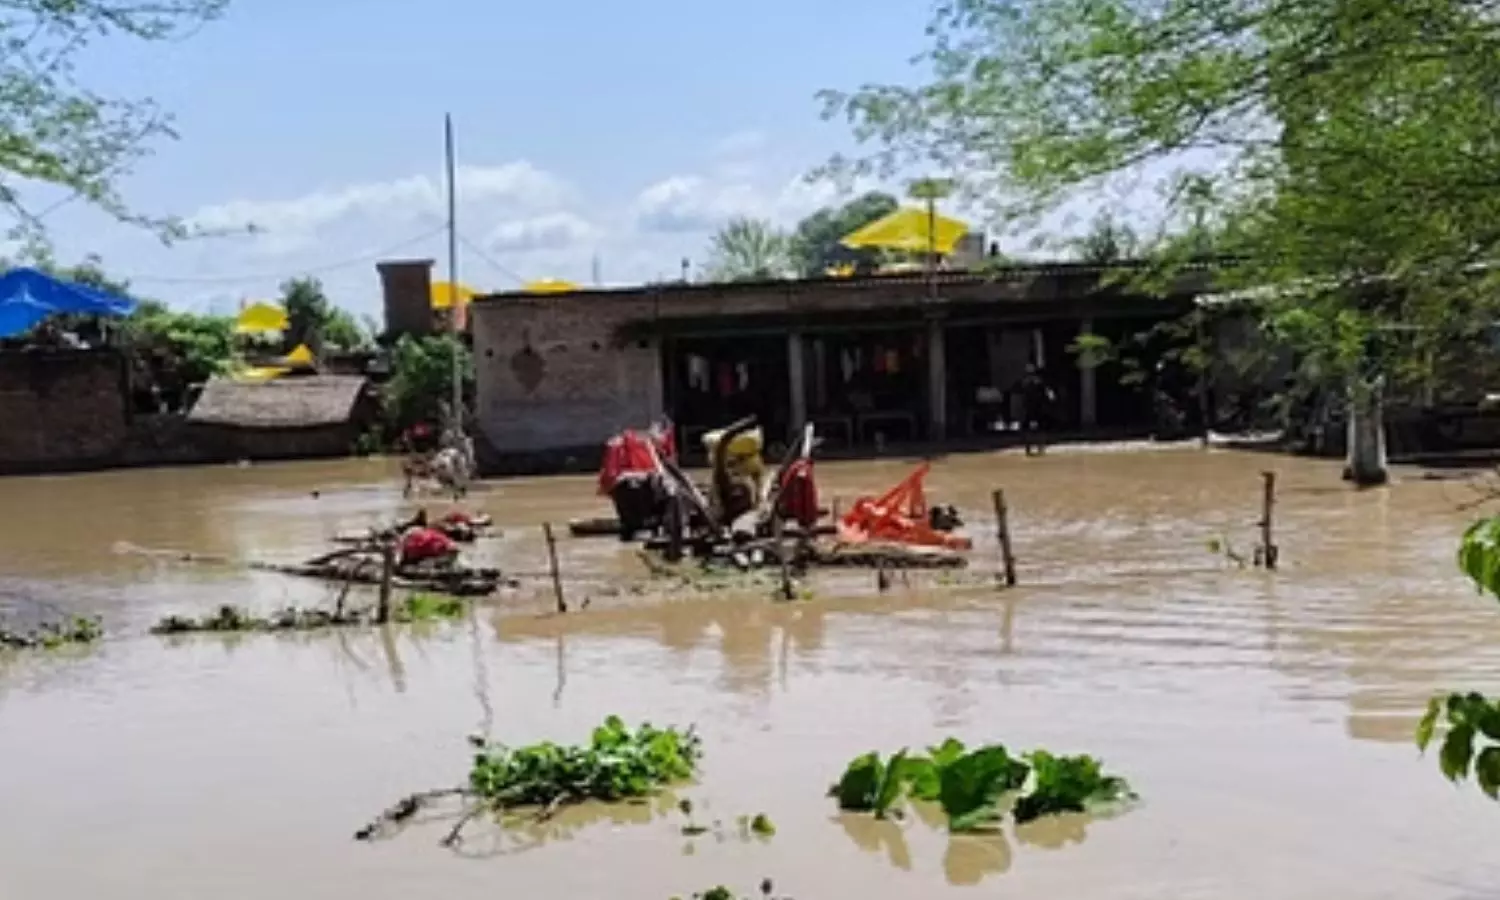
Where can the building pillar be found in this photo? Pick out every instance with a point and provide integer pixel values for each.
(937, 382)
(797, 380)
(1088, 399)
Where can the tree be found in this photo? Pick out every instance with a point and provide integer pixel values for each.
(815, 244)
(422, 377)
(1107, 241)
(313, 320)
(195, 347)
(1470, 721)
(1346, 150)
(748, 250)
(61, 134)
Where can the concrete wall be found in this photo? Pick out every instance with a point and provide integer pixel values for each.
(553, 379)
(61, 410)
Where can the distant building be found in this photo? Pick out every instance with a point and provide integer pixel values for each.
(284, 418)
(871, 360)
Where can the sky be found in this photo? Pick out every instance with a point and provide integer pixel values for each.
(586, 131)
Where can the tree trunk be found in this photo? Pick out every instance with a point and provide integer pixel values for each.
(1365, 462)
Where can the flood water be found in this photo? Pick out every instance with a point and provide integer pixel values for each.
(1265, 718)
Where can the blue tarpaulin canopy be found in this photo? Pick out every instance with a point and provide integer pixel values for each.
(28, 296)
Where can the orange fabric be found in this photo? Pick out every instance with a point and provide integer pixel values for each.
(628, 452)
(898, 516)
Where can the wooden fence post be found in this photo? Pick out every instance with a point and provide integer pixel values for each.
(1268, 549)
(387, 575)
(1002, 532)
(557, 588)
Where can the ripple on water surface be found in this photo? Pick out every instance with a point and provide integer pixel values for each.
(1265, 719)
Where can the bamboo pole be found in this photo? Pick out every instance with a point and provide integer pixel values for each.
(1002, 533)
(553, 569)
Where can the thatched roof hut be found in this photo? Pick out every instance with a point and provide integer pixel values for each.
(316, 415)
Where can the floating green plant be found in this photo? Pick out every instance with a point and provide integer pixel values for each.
(617, 764)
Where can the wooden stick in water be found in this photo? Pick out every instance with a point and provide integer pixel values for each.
(556, 572)
(1002, 531)
(1268, 549)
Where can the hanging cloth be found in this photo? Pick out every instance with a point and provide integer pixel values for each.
(893, 361)
(846, 362)
(743, 371)
(877, 360)
(698, 373)
(726, 379)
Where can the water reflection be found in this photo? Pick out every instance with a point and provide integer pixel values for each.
(878, 836)
(968, 859)
(1054, 832)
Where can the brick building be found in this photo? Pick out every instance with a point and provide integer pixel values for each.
(871, 360)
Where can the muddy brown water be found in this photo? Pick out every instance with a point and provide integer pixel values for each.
(1265, 718)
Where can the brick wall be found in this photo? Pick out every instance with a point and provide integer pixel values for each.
(552, 375)
(61, 409)
(407, 288)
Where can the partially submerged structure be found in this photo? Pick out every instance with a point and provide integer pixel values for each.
(870, 360)
(283, 418)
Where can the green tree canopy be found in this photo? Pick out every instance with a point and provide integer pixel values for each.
(422, 377)
(58, 132)
(1346, 150)
(312, 319)
(748, 250)
(815, 244)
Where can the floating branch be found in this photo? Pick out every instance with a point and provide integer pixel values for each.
(617, 765)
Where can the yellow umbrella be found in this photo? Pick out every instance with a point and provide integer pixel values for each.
(442, 294)
(548, 286)
(909, 229)
(260, 317)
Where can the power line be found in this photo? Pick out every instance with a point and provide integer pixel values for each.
(274, 276)
(502, 269)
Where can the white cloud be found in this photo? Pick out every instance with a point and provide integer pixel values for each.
(519, 186)
(689, 203)
(549, 231)
(518, 221)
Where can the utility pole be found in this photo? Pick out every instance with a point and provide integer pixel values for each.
(453, 294)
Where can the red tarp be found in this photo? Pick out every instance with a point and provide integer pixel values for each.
(628, 452)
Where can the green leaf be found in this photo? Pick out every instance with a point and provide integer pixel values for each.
(922, 778)
(972, 785)
(1487, 771)
(856, 790)
(761, 825)
(1428, 723)
(1458, 750)
(891, 785)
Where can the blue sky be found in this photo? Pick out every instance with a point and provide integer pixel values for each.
(623, 130)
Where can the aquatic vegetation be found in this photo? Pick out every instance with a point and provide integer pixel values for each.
(49, 635)
(1068, 784)
(617, 764)
(750, 827)
(720, 892)
(970, 785)
(419, 607)
(1471, 741)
